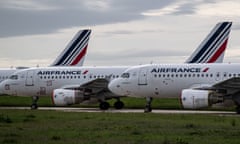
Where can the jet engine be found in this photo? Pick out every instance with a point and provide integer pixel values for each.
(195, 99)
(63, 97)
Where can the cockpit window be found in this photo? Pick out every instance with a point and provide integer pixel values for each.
(125, 75)
(14, 77)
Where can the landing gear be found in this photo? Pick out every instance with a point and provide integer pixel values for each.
(34, 102)
(238, 109)
(118, 104)
(104, 105)
(148, 107)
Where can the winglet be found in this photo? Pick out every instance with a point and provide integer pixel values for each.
(75, 51)
(212, 48)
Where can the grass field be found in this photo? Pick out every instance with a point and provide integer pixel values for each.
(129, 102)
(137, 103)
(49, 127)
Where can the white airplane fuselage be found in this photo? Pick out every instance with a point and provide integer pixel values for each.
(168, 80)
(42, 81)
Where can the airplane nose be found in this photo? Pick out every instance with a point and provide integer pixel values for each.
(115, 87)
(2, 88)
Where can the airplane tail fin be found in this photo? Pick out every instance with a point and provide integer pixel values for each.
(75, 51)
(212, 48)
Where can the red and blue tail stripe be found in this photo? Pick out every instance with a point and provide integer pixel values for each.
(75, 51)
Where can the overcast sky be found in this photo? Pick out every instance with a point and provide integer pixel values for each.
(124, 32)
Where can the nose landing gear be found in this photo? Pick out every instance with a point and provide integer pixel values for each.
(34, 102)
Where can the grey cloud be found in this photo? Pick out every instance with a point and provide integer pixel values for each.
(190, 7)
(71, 13)
(128, 32)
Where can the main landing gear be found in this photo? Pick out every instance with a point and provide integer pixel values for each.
(34, 102)
(238, 109)
(148, 107)
(105, 105)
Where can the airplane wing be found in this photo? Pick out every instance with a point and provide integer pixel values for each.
(99, 83)
(93, 87)
(232, 83)
(96, 85)
(228, 84)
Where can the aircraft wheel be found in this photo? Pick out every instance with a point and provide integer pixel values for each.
(34, 106)
(238, 109)
(148, 109)
(118, 104)
(104, 105)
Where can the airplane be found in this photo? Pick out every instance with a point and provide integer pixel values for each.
(72, 55)
(74, 85)
(198, 85)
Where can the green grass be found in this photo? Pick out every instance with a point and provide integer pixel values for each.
(129, 102)
(37, 127)
(137, 103)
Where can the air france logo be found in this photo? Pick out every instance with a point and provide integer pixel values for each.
(59, 73)
(85, 72)
(178, 70)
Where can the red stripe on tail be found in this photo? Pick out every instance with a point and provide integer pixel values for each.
(219, 52)
(80, 56)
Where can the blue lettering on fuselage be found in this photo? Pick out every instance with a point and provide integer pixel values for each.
(59, 73)
(175, 70)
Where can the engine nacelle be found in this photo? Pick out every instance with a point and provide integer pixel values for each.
(195, 99)
(63, 97)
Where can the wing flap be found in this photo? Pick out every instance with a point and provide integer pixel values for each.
(232, 83)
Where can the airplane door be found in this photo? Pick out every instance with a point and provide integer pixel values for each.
(29, 78)
(142, 78)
